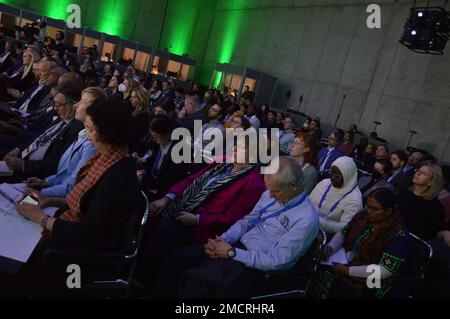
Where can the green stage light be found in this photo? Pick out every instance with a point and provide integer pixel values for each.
(231, 30)
(217, 79)
(179, 27)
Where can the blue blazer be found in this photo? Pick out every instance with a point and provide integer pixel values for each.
(335, 154)
(73, 159)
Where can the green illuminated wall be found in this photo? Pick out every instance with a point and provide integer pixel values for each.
(192, 27)
(186, 28)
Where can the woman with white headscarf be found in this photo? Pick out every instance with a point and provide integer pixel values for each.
(338, 198)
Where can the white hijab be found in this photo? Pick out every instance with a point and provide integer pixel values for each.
(348, 169)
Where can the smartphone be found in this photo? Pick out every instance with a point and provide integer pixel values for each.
(29, 200)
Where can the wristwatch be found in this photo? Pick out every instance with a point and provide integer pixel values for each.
(231, 253)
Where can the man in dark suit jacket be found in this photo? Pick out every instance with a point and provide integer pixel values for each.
(158, 178)
(41, 157)
(329, 154)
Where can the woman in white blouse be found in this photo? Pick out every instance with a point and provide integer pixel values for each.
(338, 198)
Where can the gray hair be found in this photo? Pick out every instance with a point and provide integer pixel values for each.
(194, 100)
(289, 172)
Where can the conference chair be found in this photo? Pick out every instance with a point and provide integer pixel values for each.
(295, 282)
(111, 263)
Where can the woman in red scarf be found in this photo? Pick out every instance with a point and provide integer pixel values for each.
(106, 189)
(95, 214)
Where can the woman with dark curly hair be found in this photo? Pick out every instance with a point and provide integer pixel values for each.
(95, 214)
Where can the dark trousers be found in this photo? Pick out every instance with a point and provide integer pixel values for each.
(162, 238)
(167, 283)
(222, 279)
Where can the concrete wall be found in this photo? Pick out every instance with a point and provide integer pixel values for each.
(322, 49)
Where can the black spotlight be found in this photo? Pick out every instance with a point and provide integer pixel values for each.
(427, 30)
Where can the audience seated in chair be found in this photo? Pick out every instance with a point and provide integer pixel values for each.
(273, 236)
(329, 154)
(422, 212)
(374, 236)
(190, 113)
(159, 172)
(314, 129)
(346, 147)
(382, 151)
(304, 151)
(140, 119)
(287, 135)
(41, 157)
(212, 132)
(338, 198)
(368, 159)
(96, 211)
(398, 160)
(405, 180)
(381, 172)
(37, 102)
(252, 115)
(201, 206)
(165, 106)
(73, 159)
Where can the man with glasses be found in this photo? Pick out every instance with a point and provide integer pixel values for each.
(287, 136)
(41, 157)
(330, 153)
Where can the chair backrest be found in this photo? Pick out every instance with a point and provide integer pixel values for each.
(300, 276)
(415, 266)
(136, 231)
(310, 261)
(364, 180)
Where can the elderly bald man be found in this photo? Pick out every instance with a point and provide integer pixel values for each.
(273, 236)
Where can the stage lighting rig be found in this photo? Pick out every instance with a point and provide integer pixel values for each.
(427, 30)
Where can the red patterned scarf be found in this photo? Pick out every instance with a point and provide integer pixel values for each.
(87, 177)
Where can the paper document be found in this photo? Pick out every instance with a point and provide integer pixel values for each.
(9, 196)
(21, 187)
(338, 257)
(5, 170)
(18, 237)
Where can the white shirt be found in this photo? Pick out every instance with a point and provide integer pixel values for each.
(349, 206)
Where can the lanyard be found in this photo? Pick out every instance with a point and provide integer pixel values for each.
(337, 203)
(276, 213)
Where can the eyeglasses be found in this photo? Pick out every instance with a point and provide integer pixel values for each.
(57, 105)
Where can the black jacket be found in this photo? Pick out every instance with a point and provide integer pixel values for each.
(36, 100)
(105, 210)
(139, 131)
(168, 174)
(49, 164)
